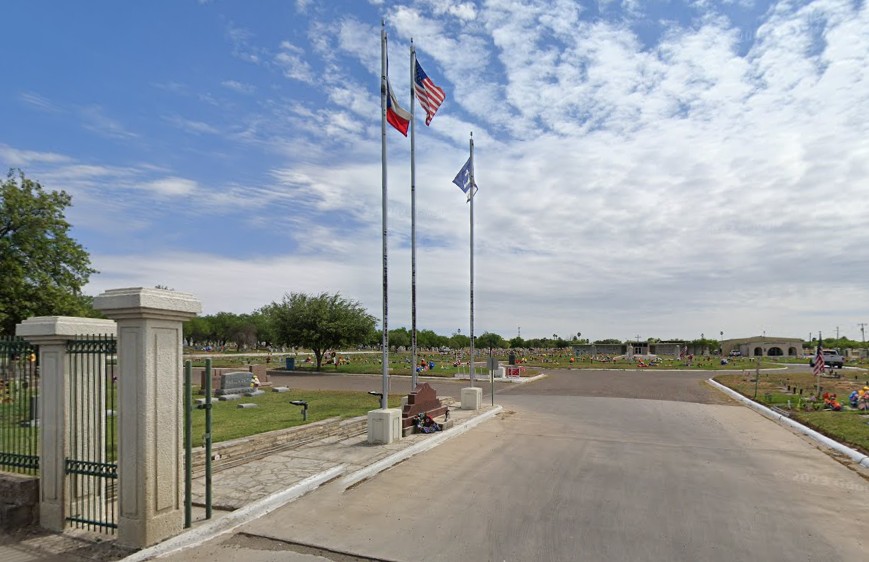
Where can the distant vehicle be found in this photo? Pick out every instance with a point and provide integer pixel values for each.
(832, 358)
(735, 353)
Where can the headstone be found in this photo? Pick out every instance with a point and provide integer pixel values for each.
(255, 392)
(261, 372)
(423, 399)
(281, 389)
(246, 406)
(235, 383)
(512, 358)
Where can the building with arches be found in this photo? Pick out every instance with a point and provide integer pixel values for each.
(764, 346)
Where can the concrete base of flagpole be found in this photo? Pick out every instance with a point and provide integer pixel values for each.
(472, 398)
(384, 426)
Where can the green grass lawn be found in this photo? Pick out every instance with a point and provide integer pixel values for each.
(274, 411)
(850, 427)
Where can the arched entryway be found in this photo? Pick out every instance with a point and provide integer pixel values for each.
(774, 352)
(758, 352)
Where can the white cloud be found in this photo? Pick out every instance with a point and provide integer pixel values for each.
(15, 158)
(191, 126)
(94, 119)
(239, 87)
(242, 48)
(665, 186)
(39, 102)
(290, 60)
(171, 186)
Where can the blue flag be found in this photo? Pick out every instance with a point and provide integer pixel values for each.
(463, 178)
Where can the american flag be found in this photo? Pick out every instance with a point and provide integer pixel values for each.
(819, 361)
(430, 96)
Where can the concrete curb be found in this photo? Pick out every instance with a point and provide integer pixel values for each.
(856, 456)
(422, 446)
(689, 371)
(522, 380)
(514, 380)
(216, 527)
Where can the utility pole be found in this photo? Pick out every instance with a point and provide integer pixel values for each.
(862, 337)
(837, 332)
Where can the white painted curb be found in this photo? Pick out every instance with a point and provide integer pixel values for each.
(226, 523)
(520, 380)
(514, 380)
(856, 456)
(422, 446)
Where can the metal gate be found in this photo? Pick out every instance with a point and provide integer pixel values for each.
(91, 464)
(19, 396)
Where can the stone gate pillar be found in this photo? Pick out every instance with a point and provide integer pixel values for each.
(51, 333)
(150, 408)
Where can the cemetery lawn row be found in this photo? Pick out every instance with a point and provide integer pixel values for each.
(274, 411)
(399, 363)
(849, 427)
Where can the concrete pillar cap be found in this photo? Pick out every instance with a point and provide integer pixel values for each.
(38, 327)
(141, 302)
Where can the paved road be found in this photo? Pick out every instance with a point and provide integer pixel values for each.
(586, 466)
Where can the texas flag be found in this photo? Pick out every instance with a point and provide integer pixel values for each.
(395, 115)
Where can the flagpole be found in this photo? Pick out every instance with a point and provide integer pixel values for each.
(819, 355)
(385, 343)
(473, 374)
(413, 380)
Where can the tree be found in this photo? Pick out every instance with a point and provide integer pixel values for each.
(197, 330)
(320, 322)
(490, 340)
(400, 337)
(264, 329)
(43, 268)
(427, 338)
(458, 341)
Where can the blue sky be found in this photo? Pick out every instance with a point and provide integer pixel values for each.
(658, 169)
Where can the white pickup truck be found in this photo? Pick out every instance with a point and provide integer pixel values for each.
(832, 358)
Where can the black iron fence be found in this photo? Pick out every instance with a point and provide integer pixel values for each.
(19, 406)
(91, 466)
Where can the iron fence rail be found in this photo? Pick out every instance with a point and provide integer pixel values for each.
(91, 464)
(19, 403)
